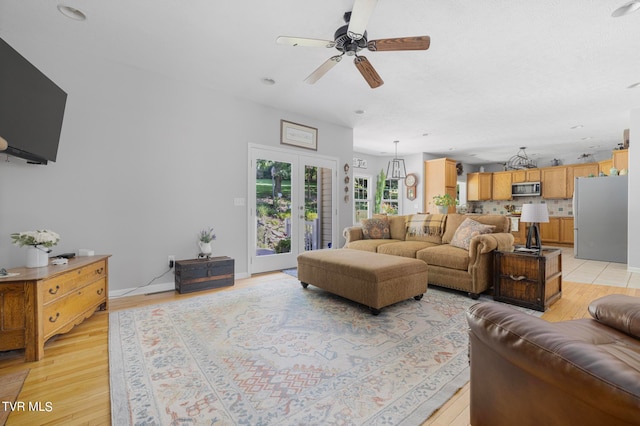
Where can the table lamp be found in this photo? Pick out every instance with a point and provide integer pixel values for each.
(534, 214)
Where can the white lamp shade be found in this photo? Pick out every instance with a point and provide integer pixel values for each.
(534, 213)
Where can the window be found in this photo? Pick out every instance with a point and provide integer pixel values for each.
(390, 197)
(361, 197)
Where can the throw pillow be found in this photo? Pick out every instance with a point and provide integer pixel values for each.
(375, 229)
(468, 229)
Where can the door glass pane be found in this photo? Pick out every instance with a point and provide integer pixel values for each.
(273, 207)
(311, 216)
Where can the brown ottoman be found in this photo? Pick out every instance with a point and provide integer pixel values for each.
(372, 279)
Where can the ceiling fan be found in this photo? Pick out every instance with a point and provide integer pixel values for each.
(352, 38)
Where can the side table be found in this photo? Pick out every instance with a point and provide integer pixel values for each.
(530, 280)
(203, 274)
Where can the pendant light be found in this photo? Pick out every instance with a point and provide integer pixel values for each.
(396, 168)
(520, 161)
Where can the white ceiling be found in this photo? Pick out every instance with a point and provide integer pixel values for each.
(499, 74)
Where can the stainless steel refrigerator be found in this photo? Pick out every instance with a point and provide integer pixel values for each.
(600, 218)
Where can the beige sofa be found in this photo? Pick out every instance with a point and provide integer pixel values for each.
(469, 270)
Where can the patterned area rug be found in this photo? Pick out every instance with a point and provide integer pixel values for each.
(282, 355)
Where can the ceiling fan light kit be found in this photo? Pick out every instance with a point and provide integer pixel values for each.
(351, 38)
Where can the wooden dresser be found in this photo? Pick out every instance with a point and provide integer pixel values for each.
(40, 303)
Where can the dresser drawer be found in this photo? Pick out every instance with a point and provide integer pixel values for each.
(518, 267)
(63, 284)
(60, 312)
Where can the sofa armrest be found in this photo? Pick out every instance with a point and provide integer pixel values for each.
(352, 233)
(486, 243)
(557, 361)
(619, 311)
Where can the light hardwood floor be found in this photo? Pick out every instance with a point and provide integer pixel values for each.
(74, 374)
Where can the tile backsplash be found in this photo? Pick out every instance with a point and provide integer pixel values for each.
(556, 207)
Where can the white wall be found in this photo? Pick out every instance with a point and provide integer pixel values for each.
(144, 163)
(634, 193)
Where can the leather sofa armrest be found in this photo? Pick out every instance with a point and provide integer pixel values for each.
(352, 233)
(618, 311)
(562, 359)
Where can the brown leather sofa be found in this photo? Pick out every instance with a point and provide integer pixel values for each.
(527, 371)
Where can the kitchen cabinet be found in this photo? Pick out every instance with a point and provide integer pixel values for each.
(559, 230)
(580, 170)
(621, 159)
(554, 182)
(501, 186)
(566, 230)
(479, 186)
(605, 166)
(520, 232)
(550, 231)
(529, 175)
(440, 177)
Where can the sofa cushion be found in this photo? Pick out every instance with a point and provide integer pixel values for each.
(467, 230)
(404, 248)
(618, 311)
(425, 227)
(376, 228)
(446, 256)
(502, 223)
(368, 245)
(396, 225)
(453, 221)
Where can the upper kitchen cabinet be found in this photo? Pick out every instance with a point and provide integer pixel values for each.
(479, 186)
(440, 177)
(554, 182)
(621, 159)
(530, 175)
(580, 170)
(501, 186)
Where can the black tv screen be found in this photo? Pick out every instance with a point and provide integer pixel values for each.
(31, 108)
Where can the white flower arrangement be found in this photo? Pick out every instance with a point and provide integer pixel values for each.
(45, 238)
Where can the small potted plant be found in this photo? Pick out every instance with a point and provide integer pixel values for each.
(443, 202)
(204, 241)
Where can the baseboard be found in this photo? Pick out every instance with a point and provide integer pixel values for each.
(633, 269)
(157, 288)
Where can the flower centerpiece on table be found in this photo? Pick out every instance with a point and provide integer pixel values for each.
(44, 238)
(204, 241)
(38, 245)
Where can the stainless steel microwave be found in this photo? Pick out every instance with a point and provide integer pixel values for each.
(525, 189)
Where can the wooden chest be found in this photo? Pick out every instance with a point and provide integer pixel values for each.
(529, 280)
(201, 274)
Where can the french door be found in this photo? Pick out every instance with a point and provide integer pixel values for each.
(292, 207)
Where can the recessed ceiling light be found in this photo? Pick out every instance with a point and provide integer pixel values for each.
(473, 155)
(594, 147)
(359, 111)
(586, 138)
(72, 13)
(268, 81)
(626, 8)
(634, 85)
(577, 126)
(425, 134)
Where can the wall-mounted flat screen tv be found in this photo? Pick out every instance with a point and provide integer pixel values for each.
(31, 108)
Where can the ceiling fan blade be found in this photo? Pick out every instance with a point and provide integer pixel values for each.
(308, 42)
(323, 69)
(368, 72)
(401, 43)
(362, 10)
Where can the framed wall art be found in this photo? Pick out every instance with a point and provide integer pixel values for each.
(298, 135)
